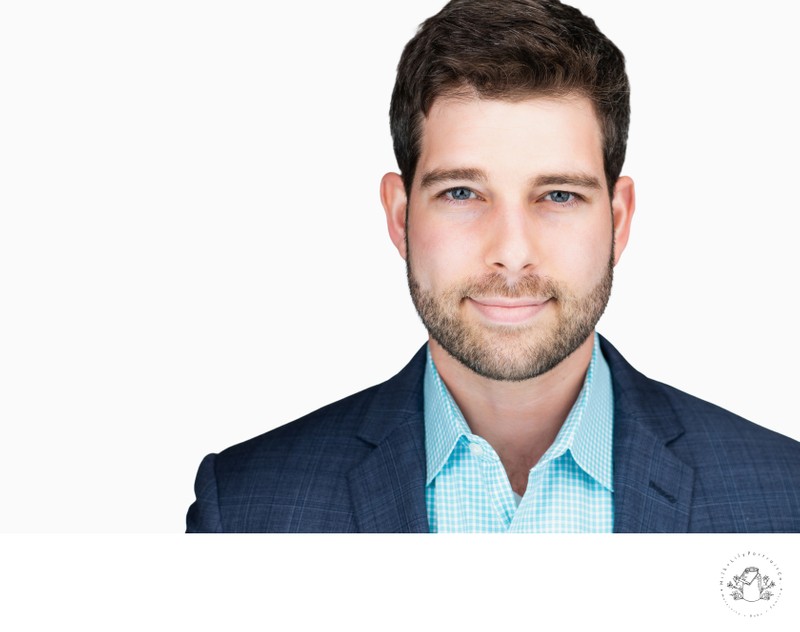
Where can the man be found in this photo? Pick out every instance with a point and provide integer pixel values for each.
(509, 122)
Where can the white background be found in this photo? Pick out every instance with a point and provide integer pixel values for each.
(626, 582)
(192, 248)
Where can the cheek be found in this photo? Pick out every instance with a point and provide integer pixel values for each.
(439, 254)
(580, 255)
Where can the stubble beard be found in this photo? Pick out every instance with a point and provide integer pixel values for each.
(506, 352)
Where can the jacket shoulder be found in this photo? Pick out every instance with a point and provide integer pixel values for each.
(746, 476)
(295, 477)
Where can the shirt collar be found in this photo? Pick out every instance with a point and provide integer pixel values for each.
(444, 423)
(586, 433)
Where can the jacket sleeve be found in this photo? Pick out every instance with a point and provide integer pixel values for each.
(203, 515)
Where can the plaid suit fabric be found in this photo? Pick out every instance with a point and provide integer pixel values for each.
(680, 464)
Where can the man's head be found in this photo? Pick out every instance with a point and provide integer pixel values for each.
(509, 121)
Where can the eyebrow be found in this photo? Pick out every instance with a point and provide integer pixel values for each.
(569, 179)
(447, 175)
(437, 176)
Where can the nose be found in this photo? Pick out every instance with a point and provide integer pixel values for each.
(510, 245)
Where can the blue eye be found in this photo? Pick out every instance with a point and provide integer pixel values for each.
(560, 197)
(460, 194)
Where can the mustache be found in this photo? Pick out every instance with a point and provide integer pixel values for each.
(533, 286)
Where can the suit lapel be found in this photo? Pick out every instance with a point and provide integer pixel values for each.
(387, 488)
(652, 486)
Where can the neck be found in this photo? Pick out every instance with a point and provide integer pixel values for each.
(520, 420)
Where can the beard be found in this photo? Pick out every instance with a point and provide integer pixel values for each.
(508, 352)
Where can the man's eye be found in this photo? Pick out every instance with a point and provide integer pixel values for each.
(460, 194)
(560, 197)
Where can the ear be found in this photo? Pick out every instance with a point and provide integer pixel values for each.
(395, 203)
(623, 204)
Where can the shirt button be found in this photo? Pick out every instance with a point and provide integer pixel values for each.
(475, 449)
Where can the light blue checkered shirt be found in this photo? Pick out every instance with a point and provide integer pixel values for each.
(570, 489)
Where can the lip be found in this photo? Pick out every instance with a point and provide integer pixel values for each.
(507, 311)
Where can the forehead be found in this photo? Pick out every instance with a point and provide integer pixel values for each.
(504, 137)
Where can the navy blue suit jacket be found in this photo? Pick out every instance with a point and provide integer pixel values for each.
(680, 465)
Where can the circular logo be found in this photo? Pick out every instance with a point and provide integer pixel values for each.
(751, 584)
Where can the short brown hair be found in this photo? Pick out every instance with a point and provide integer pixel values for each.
(509, 49)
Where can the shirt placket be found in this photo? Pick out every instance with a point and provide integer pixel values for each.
(495, 480)
(527, 517)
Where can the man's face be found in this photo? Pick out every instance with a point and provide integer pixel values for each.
(510, 234)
